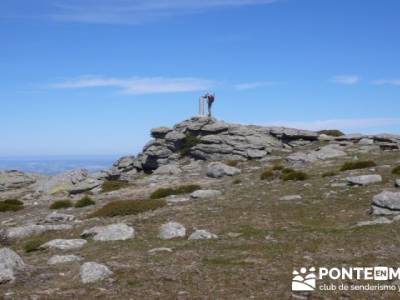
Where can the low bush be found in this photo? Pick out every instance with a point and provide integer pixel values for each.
(277, 168)
(329, 174)
(354, 165)
(267, 174)
(33, 244)
(183, 189)
(396, 170)
(292, 175)
(11, 205)
(188, 143)
(332, 132)
(128, 207)
(60, 204)
(84, 201)
(113, 185)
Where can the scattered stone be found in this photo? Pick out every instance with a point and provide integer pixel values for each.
(56, 217)
(60, 259)
(176, 199)
(33, 229)
(156, 250)
(10, 263)
(378, 221)
(397, 183)
(339, 184)
(218, 170)
(172, 230)
(386, 203)
(63, 244)
(202, 235)
(92, 272)
(113, 232)
(204, 194)
(364, 179)
(291, 198)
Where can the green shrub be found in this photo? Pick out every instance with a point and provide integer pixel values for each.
(188, 143)
(332, 132)
(396, 171)
(128, 207)
(277, 168)
(59, 204)
(354, 165)
(183, 189)
(329, 174)
(11, 205)
(113, 185)
(84, 201)
(237, 181)
(293, 175)
(267, 174)
(33, 244)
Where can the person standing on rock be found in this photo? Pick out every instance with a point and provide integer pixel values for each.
(210, 101)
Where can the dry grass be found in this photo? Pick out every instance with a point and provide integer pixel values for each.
(60, 204)
(354, 165)
(127, 207)
(165, 192)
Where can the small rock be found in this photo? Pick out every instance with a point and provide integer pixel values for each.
(63, 244)
(366, 141)
(202, 235)
(291, 198)
(156, 250)
(364, 179)
(172, 230)
(397, 183)
(218, 170)
(56, 217)
(28, 230)
(92, 272)
(60, 259)
(177, 199)
(377, 221)
(204, 194)
(113, 232)
(168, 170)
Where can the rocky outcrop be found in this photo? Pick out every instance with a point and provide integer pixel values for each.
(208, 139)
(72, 182)
(10, 180)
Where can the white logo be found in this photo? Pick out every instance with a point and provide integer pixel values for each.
(304, 280)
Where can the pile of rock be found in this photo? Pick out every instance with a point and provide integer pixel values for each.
(211, 140)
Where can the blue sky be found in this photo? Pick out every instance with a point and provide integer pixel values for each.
(92, 77)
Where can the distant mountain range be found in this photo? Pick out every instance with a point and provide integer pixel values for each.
(50, 165)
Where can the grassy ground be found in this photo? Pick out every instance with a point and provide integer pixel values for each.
(262, 239)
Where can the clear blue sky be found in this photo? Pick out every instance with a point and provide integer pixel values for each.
(92, 77)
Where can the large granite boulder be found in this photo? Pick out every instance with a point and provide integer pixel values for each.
(386, 203)
(218, 170)
(10, 263)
